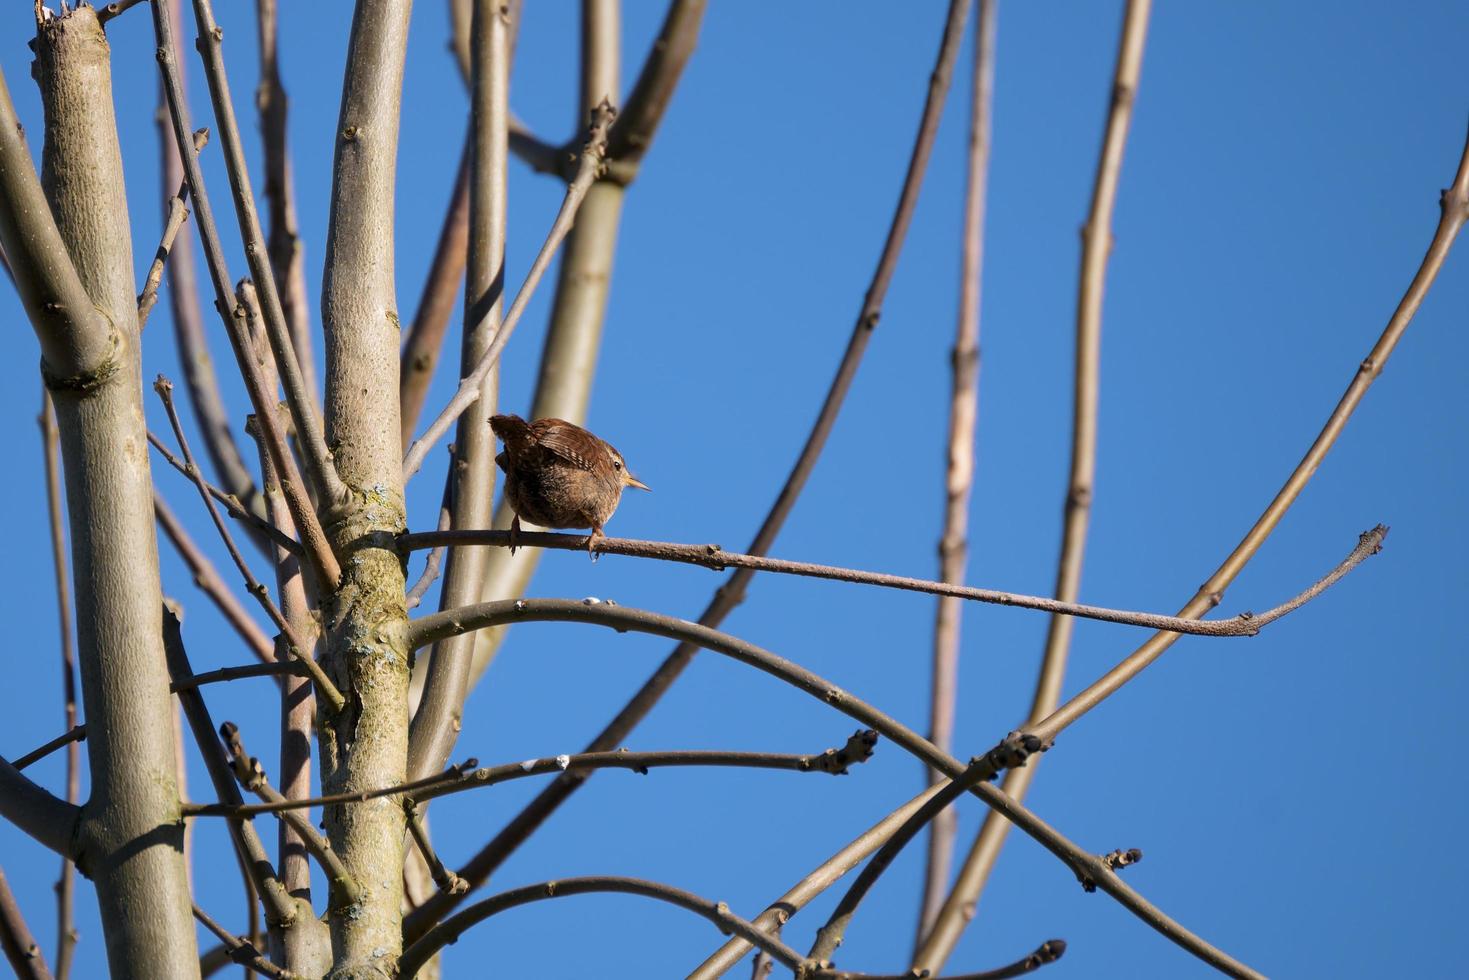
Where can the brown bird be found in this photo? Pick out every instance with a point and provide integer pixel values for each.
(559, 475)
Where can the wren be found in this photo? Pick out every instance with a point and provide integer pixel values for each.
(559, 475)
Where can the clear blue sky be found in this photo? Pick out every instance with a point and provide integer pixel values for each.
(1279, 190)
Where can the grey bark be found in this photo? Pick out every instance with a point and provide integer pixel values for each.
(366, 746)
(130, 836)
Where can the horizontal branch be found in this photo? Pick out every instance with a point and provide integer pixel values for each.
(1047, 952)
(1088, 867)
(465, 777)
(440, 625)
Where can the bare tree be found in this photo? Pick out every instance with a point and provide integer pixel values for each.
(372, 692)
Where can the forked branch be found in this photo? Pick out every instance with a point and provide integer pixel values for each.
(1086, 866)
(468, 392)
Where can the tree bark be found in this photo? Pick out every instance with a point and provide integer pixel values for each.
(130, 835)
(366, 746)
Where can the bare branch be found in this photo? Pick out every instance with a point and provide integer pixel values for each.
(829, 936)
(206, 577)
(780, 911)
(1087, 866)
(20, 948)
(298, 647)
(1047, 952)
(415, 595)
(466, 777)
(66, 933)
(436, 724)
(731, 593)
(1043, 731)
(50, 821)
(959, 472)
(214, 419)
(251, 775)
(111, 10)
(298, 710)
(318, 551)
(301, 400)
(253, 859)
(178, 210)
(231, 503)
(128, 830)
(287, 256)
(241, 951)
(955, 914)
(445, 879)
(77, 341)
(469, 388)
(415, 956)
(568, 364)
(711, 556)
(77, 733)
(632, 134)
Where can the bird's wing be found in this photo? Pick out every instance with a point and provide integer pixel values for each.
(561, 440)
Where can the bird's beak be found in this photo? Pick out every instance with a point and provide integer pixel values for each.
(633, 481)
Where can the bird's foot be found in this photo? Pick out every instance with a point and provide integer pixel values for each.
(593, 540)
(514, 533)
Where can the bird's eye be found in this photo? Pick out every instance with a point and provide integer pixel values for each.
(617, 464)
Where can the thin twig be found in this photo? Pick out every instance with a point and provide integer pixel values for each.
(829, 936)
(301, 401)
(178, 210)
(711, 556)
(1454, 211)
(287, 256)
(956, 912)
(298, 703)
(447, 880)
(466, 777)
(205, 397)
(415, 595)
(1085, 865)
(1047, 952)
(299, 648)
(287, 668)
(469, 388)
(316, 548)
(66, 933)
(77, 733)
(780, 911)
(20, 948)
(959, 469)
(230, 502)
(254, 862)
(448, 932)
(731, 593)
(241, 951)
(206, 577)
(251, 775)
(117, 9)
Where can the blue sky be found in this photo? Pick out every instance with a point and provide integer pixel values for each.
(1278, 192)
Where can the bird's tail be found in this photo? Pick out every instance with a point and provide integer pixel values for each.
(513, 431)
